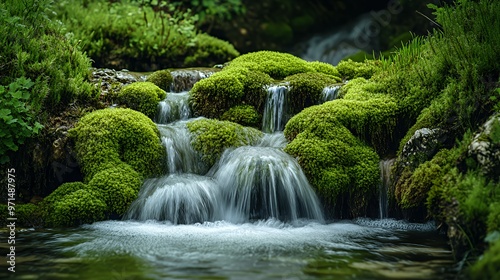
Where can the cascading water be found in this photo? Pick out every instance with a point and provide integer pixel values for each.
(330, 93)
(385, 181)
(275, 109)
(174, 107)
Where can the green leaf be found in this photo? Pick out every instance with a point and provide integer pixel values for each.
(4, 113)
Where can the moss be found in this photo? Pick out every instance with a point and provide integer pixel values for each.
(493, 220)
(109, 137)
(118, 187)
(213, 96)
(306, 89)
(209, 51)
(412, 192)
(29, 215)
(275, 64)
(212, 137)
(487, 267)
(142, 96)
(245, 115)
(162, 79)
(349, 69)
(79, 207)
(341, 168)
(325, 68)
(360, 56)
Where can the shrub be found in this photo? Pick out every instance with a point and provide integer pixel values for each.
(212, 137)
(79, 207)
(142, 96)
(108, 137)
(245, 115)
(118, 187)
(161, 78)
(209, 51)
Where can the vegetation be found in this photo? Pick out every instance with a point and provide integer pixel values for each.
(209, 51)
(142, 96)
(161, 78)
(245, 115)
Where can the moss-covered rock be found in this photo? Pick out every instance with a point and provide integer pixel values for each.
(118, 187)
(161, 78)
(209, 51)
(306, 89)
(79, 207)
(275, 64)
(245, 115)
(325, 68)
(109, 137)
(349, 69)
(212, 137)
(142, 96)
(213, 96)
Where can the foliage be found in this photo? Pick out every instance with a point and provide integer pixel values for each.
(223, 90)
(487, 266)
(245, 115)
(209, 51)
(142, 96)
(212, 137)
(118, 186)
(306, 89)
(34, 47)
(349, 69)
(17, 120)
(161, 78)
(106, 138)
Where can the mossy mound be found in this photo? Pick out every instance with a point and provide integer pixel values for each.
(245, 115)
(306, 89)
(161, 78)
(209, 51)
(325, 68)
(79, 207)
(142, 96)
(212, 137)
(118, 187)
(213, 96)
(349, 69)
(275, 64)
(109, 137)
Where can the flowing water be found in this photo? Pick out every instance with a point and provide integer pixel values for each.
(252, 215)
(385, 182)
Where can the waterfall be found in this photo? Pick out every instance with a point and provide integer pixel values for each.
(174, 107)
(181, 157)
(275, 109)
(330, 93)
(385, 181)
(262, 183)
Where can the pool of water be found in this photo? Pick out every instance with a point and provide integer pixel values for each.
(360, 249)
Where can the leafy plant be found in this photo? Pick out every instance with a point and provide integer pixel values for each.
(17, 120)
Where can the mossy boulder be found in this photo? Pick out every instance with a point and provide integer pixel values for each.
(79, 207)
(212, 137)
(349, 69)
(118, 187)
(245, 115)
(162, 79)
(325, 68)
(209, 51)
(106, 138)
(213, 96)
(142, 96)
(306, 89)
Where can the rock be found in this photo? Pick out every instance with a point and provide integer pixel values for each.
(184, 79)
(111, 80)
(422, 146)
(485, 147)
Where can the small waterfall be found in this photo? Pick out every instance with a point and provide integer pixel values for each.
(275, 109)
(178, 198)
(262, 183)
(330, 93)
(181, 157)
(174, 107)
(385, 181)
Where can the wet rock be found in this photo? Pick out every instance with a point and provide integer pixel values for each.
(184, 79)
(485, 147)
(422, 146)
(111, 81)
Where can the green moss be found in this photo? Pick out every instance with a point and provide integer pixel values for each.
(306, 89)
(213, 96)
(118, 187)
(412, 192)
(487, 267)
(209, 51)
(162, 79)
(493, 221)
(79, 207)
(275, 64)
(142, 96)
(109, 137)
(360, 56)
(245, 115)
(325, 68)
(349, 69)
(63, 190)
(29, 215)
(212, 137)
